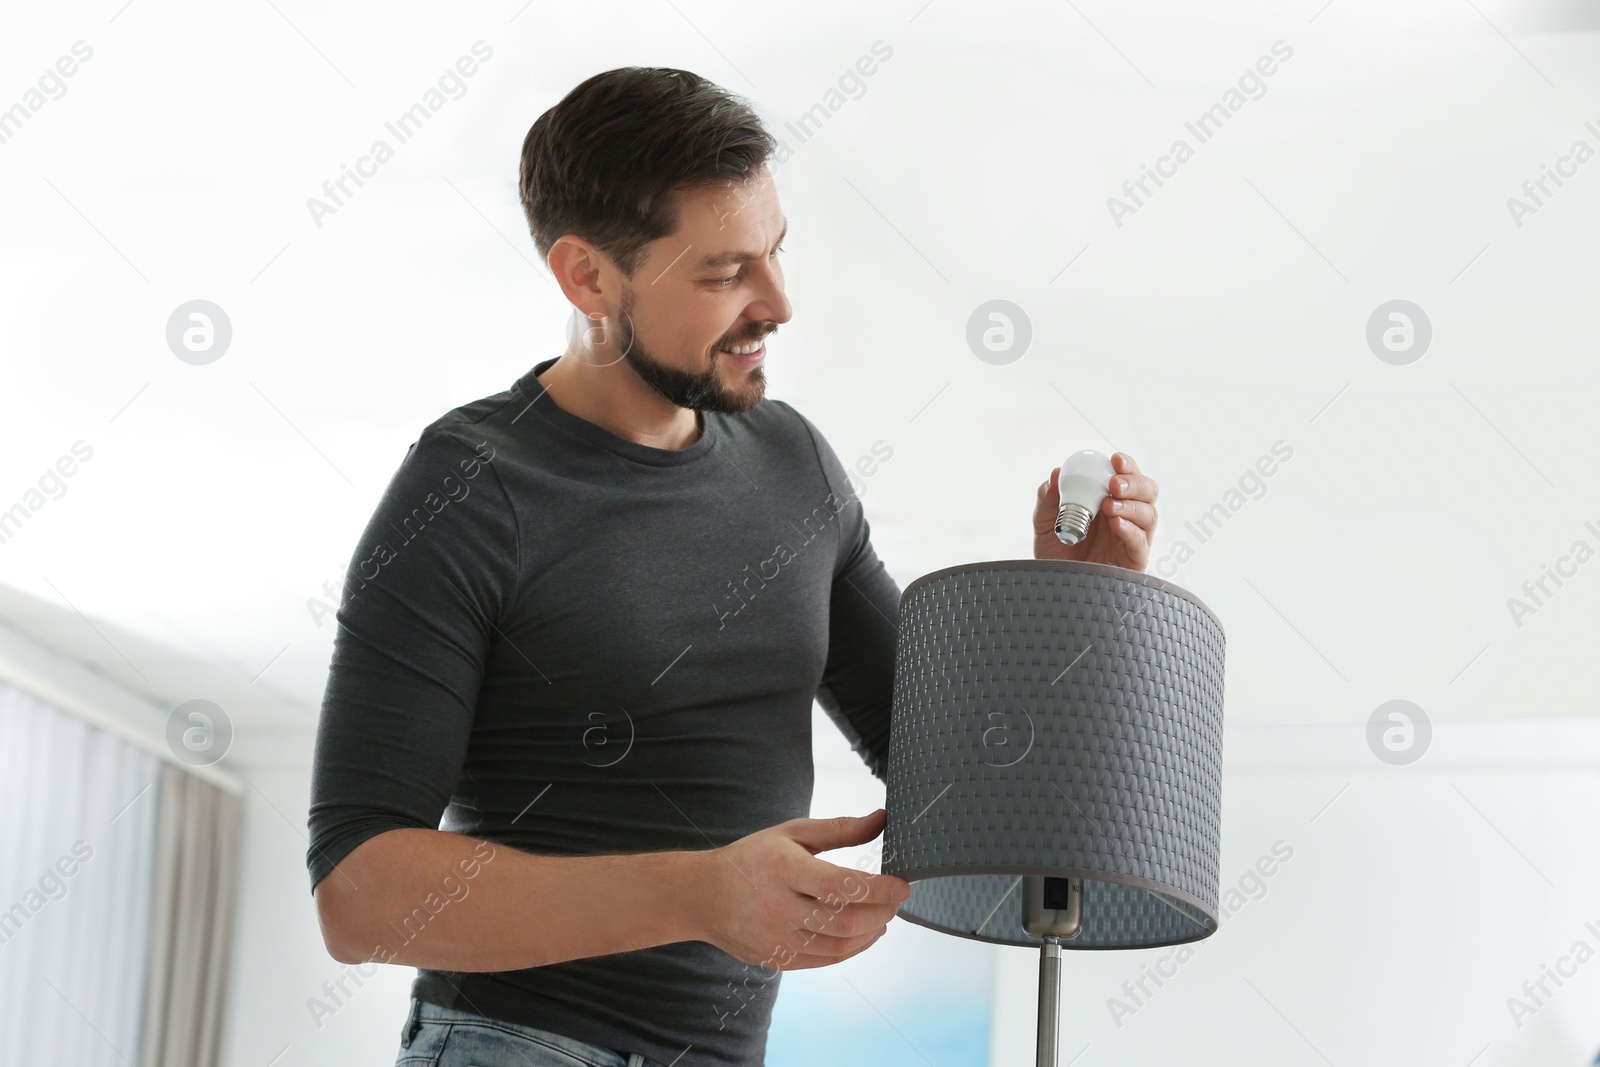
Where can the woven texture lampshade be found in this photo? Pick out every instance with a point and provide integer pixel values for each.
(1060, 719)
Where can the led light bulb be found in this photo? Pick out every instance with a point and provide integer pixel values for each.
(1085, 481)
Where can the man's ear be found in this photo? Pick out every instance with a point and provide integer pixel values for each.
(576, 266)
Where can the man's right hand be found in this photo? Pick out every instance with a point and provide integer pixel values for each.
(771, 902)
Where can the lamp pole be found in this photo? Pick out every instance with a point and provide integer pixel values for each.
(1049, 1000)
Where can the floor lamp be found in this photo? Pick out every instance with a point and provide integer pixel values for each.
(1055, 761)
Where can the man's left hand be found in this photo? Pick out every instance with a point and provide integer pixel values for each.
(1122, 529)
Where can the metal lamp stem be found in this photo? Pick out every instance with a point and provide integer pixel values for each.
(1049, 1000)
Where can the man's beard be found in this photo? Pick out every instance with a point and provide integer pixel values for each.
(701, 391)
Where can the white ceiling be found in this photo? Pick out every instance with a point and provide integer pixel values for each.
(1226, 314)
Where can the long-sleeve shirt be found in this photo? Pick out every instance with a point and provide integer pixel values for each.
(559, 640)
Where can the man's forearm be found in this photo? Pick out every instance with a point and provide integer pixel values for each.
(427, 898)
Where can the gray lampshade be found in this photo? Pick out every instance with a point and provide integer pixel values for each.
(1061, 719)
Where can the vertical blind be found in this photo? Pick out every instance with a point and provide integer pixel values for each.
(77, 832)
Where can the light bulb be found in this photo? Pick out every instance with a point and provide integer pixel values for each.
(1085, 481)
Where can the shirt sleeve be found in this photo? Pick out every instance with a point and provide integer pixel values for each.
(857, 689)
(422, 595)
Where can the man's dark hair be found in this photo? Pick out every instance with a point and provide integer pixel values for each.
(607, 162)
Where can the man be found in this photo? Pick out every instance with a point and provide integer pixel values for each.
(564, 758)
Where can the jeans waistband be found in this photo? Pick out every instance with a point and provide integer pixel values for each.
(427, 1011)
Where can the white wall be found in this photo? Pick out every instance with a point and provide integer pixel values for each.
(279, 963)
(1414, 905)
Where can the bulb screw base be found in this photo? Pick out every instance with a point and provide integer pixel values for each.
(1072, 522)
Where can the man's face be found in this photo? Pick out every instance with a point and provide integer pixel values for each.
(713, 285)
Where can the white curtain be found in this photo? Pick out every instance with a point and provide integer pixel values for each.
(78, 813)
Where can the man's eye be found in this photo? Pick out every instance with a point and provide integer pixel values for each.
(724, 282)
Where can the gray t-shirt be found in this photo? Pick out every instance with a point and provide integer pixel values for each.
(562, 641)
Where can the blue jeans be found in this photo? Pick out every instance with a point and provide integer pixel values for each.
(446, 1037)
